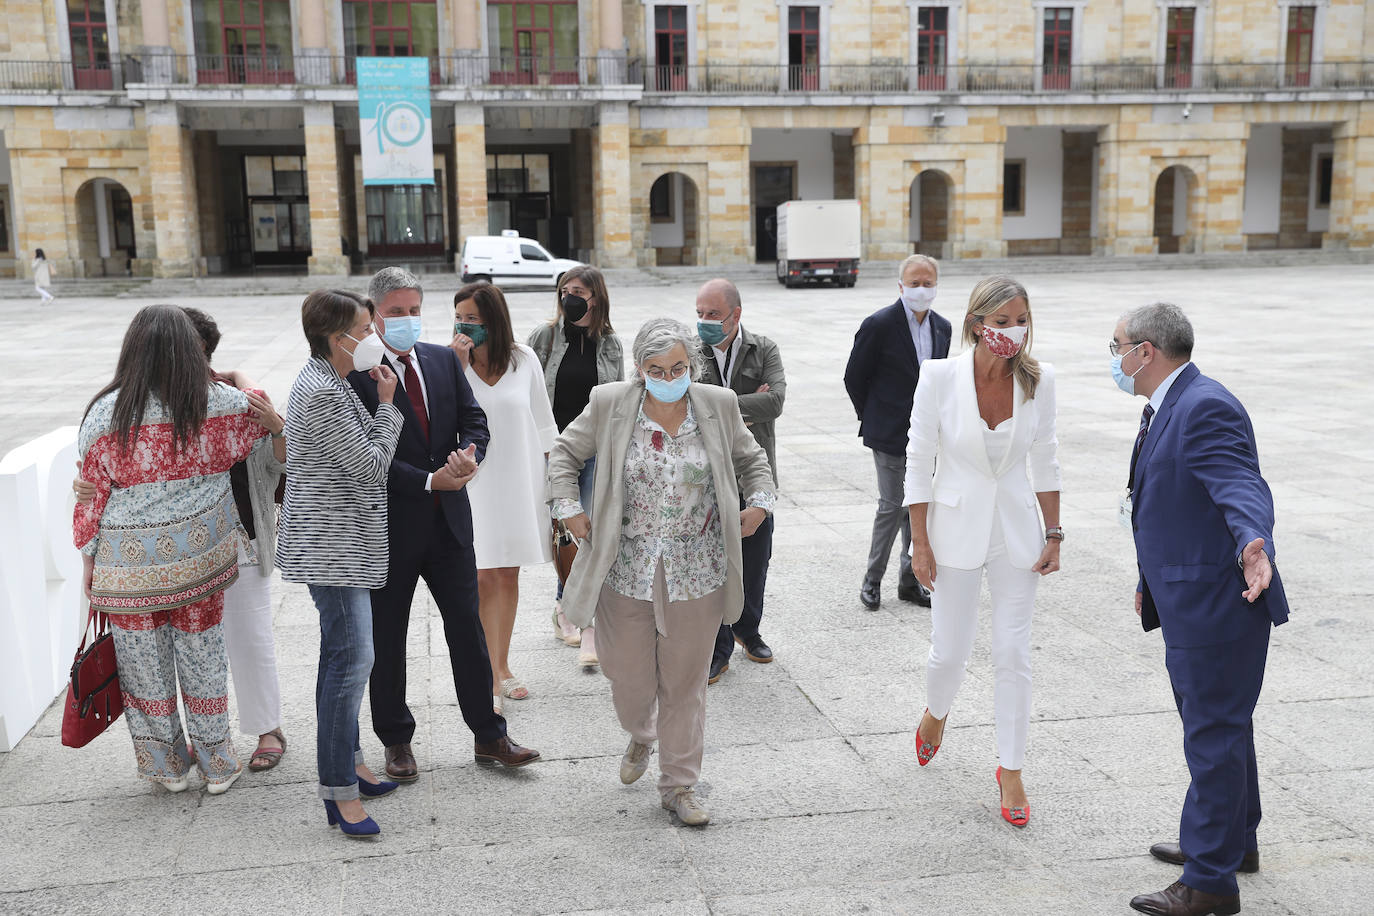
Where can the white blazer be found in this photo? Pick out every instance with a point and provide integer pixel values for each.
(964, 490)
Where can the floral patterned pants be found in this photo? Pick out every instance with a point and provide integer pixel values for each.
(155, 651)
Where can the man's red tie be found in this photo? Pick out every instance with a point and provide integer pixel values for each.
(416, 395)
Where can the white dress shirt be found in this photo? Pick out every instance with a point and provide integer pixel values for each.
(393, 362)
(725, 359)
(920, 335)
(1157, 399)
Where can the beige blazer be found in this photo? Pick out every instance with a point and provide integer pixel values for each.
(604, 429)
(963, 489)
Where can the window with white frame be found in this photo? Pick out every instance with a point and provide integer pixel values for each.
(934, 29)
(803, 44)
(1179, 40)
(1302, 24)
(670, 43)
(1058, 25)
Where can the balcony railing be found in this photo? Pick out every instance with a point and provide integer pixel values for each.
(58, 76)
(1003, 78)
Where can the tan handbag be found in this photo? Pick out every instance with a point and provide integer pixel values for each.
(564, 550)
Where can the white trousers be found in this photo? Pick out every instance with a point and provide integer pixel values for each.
(252, 654)
(954, 625)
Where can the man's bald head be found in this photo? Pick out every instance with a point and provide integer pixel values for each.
(719, 292)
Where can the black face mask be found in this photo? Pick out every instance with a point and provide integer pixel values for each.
(574, 308)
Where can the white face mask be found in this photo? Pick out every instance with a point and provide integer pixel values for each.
(367, 355)
(918, 298)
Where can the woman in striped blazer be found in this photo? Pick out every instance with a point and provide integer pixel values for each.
(332, 535)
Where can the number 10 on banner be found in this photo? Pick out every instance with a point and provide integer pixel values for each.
(394, 119)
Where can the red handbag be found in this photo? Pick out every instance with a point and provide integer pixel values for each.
(94, 699)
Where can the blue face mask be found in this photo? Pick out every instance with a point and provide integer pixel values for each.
(1123, 381)
(669, 392)
(711, 332)
(402, 332)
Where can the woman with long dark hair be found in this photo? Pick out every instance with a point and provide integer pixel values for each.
(510, 522)
(578, 350)
(160, 541)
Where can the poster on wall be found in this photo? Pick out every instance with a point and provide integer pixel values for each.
(393, 116)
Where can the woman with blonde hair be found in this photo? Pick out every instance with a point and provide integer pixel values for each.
(578, 350)
(981, 454)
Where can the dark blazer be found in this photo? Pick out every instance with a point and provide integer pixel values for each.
(1198, 500)
(455, 421)
(758, 362)
(882, 373)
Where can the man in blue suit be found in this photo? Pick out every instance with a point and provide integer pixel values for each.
(1203, 520)
(884, 366)
(429, 525)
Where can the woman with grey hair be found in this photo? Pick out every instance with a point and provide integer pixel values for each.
(659, 566)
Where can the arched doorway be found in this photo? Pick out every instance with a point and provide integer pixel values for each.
(106, 244)
(1174, 227)
(931, 212)
(674, 220)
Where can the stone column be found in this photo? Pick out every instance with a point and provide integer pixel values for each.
(611, 61)
(314, 67)
(157, 43)
(1223, 200)
(173, 182)
(977, 232)
(1352, 209)
(610, 186)
(322, 182)
(1108, 188)
(470, 164)
(469, 68)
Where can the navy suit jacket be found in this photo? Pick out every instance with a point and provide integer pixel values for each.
(455, 421)
(1198, 500)
(882, 373)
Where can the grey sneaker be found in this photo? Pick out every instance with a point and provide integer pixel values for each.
(635, 761)
(682, 801)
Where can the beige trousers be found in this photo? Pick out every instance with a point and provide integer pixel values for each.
(657, 655)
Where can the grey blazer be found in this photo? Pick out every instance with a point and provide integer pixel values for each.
(264, 470)
(758, 362)
(604, 429)
(549, 344)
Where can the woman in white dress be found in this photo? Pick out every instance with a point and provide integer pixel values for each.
(509, 519)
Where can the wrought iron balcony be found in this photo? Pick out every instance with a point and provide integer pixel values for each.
(59, 76)
(1003, 78)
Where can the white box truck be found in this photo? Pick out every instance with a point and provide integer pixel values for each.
(818, 240)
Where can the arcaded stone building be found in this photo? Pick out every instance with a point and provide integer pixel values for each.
(193, 137)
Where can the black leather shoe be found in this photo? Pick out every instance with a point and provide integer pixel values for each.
(756, 649)
(1178, 899)
(718, 667)
(1173, 854)
(503, 751)
(916, 594)
(871, 595)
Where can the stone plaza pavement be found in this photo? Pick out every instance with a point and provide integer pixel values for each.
(818, 804)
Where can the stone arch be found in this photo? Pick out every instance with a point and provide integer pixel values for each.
(679, 236)
(1177, 210)
(107, 232)
(931, 213)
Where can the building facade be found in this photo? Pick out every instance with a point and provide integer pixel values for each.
(194, 137)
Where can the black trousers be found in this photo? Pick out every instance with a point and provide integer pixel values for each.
(432, 553)
(756, 552)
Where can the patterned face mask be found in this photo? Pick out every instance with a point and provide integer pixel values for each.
(1004, 342)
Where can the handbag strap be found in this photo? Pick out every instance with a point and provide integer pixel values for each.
(97, 620)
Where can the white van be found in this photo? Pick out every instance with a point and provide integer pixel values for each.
(509, 260)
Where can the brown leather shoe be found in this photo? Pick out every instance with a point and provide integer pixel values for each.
(400, 763)
(1178, 899)
(1173, 854)
(505, 752)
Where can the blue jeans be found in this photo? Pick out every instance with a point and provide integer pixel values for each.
(345, 664)
(584, 495)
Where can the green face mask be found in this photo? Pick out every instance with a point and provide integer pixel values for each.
(476, 332)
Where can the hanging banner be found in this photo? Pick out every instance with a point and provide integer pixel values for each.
(393, 115)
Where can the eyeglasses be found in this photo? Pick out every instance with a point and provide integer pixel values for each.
(659, 375)
(1116, 347)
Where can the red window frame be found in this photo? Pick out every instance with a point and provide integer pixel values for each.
(244, 56)
(932, 47)
(90, 33)
(530, 65)
(1179, 23)
(383, 39)
(804, 35)
(670, 47)
(1302, 22)
(1056, 68)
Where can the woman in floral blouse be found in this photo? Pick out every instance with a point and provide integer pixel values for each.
(160, 541)
(659, 566)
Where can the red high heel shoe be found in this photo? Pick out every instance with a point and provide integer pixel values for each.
(1017, 817)
(925, 751)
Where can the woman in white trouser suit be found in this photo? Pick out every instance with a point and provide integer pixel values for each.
(988, 416)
